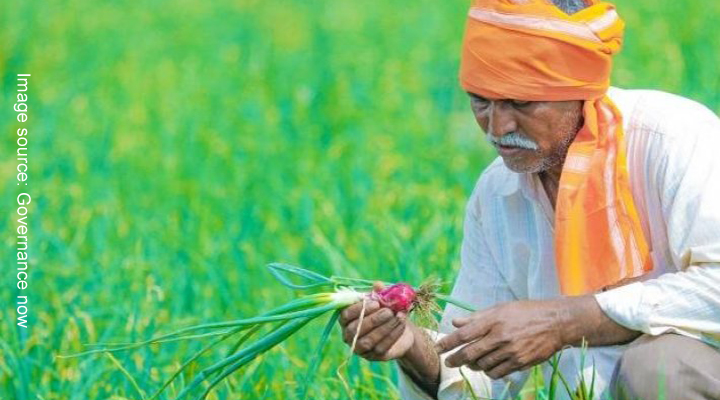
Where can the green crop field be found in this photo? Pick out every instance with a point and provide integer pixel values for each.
(177, 147)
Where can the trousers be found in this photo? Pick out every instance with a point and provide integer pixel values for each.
(667, 366)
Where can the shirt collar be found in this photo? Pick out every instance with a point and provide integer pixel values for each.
(519, 182)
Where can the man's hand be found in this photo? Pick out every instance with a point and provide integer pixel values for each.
(383, 335)
(517, 335)
(506, 338)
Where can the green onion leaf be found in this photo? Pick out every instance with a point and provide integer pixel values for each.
(317, 357)
(198, 354)
(232, 363)
(281, 272)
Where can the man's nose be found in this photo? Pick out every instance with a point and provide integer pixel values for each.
(501, 119)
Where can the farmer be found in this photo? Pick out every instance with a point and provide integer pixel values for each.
(599, 222)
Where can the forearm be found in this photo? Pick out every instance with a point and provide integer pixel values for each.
(422, 362)
(582, 318)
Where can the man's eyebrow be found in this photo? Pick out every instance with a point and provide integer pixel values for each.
(476, 97)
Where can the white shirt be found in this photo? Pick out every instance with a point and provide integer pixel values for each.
(673, 155)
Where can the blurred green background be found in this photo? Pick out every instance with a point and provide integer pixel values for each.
(176, 147)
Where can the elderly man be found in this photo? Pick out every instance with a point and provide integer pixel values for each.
(598, 223)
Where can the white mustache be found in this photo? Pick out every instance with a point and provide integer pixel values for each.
(513, 139)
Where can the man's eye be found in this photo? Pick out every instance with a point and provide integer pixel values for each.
(480, 102)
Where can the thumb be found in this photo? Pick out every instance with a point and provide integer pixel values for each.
(378, 286)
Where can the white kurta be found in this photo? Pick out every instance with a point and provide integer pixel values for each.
(673, 154)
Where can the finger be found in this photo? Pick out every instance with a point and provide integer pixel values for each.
(466, 334)
(369, 323)
(348, 313)
(352, 312)
(368, 345)
(506, 367)
(369, 341)
(471, 352)
(387, 340)
(490, 360)
(400, 345)
(378, 286)
(460, 322)
(481, 315)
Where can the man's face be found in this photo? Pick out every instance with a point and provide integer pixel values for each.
(530, 136)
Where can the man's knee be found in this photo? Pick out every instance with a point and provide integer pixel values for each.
(640, 369)
(665, 366)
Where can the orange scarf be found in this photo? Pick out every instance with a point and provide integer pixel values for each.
(531, 50)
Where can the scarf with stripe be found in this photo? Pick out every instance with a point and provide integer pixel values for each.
(531, 50)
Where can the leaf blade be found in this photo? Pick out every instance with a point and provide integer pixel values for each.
(281, 271)
(317, 358)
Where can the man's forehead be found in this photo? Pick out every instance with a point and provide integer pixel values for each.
(478, 97)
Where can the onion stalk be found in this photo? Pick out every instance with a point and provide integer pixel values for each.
(285, 321)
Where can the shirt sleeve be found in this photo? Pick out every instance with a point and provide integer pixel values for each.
(687, 301)
(478, 283)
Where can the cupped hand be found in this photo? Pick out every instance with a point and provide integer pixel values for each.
(383, 335)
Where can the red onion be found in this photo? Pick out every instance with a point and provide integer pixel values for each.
(398, 297)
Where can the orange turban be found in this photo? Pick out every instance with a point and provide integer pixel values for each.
(531, 50)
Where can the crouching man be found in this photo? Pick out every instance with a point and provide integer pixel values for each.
(599, 222)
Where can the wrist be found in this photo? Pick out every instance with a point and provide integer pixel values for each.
(414, 352)
(574, 317)
(421, 360)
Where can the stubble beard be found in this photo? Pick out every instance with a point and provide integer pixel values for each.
(570, 126)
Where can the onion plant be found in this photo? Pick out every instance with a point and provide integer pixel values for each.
(284, 321)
